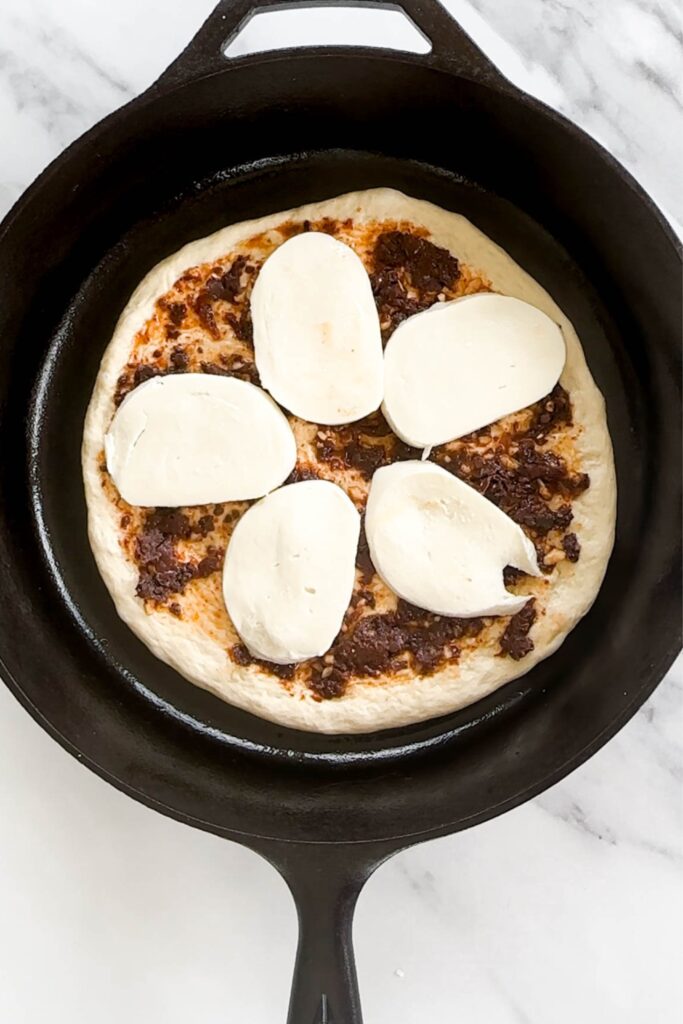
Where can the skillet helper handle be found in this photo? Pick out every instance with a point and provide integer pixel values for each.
(450, 44)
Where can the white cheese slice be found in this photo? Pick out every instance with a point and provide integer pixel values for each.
(290, 569)
(317, 337)
(194, 438)
(439, 544)
(461, 365)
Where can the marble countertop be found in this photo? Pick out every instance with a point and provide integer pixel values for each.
(567, 909)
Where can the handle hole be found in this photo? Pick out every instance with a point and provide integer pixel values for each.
(327, 26)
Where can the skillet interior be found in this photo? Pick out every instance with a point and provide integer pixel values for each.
(266, 136)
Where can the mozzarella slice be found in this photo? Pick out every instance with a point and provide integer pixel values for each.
(464, 364)
(193, 438)
(290, 569)
(437, 543)
(316, 331)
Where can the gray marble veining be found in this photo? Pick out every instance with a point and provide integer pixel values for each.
(618, 71)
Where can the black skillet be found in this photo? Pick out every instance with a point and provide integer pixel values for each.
(216, 141)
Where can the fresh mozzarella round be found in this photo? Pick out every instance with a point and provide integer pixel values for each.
(461, 365)
(437, 543)
(317, 338)
(193, 439)
(290, 569)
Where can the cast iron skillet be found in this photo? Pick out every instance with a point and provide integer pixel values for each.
(216, 141)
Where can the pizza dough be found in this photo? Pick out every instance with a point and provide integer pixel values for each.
(368, 704)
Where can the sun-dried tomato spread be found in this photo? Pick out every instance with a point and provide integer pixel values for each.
(526, 463)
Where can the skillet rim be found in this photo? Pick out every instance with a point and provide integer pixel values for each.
(394, 841)
(157, 90)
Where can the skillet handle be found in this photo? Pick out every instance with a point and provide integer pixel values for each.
(450, 45)
(325, 882)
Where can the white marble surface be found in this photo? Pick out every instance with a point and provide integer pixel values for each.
(565, 910)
